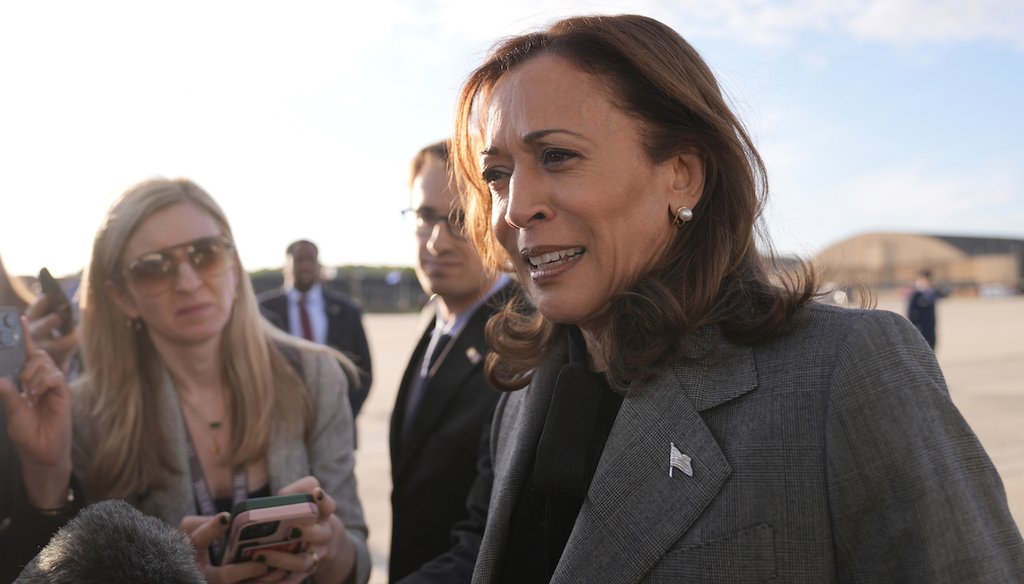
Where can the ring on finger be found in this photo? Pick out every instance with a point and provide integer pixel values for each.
(316, 561)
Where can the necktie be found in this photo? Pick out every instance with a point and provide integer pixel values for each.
(420, 385)
(442, 342)
(304, 322)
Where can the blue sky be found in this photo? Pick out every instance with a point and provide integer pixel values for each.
(300, 118)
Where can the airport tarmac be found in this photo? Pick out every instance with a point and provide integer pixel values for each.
(980, 348)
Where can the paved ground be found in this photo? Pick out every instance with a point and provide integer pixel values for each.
(980, 348)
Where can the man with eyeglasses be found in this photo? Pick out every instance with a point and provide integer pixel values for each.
(444, 404)
(307, 309)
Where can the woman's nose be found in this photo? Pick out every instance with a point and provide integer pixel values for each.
(528, 202)
(186, 277)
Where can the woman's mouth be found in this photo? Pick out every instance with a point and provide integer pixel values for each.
(192, 309)
(551, 259)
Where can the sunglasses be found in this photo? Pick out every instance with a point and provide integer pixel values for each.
(157, 271)
(424, 220)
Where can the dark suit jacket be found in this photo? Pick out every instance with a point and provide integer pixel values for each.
(831, 454)
(921, 312)
(433, 467)
(344, 333)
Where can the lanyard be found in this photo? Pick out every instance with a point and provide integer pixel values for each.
(204, 500)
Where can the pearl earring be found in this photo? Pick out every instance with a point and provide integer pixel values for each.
(681, 216)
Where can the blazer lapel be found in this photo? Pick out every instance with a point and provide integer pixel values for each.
(465, 357)
(177, 498)
(425, 323)
(634, 511)
(279, 305)
(513, 446)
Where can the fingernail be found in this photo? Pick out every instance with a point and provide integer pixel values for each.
(224, 519)
(261, 558)
(318, 494)
(296, 533)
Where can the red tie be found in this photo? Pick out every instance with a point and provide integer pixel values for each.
(307, 326)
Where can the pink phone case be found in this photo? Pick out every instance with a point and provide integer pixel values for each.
(267, 529)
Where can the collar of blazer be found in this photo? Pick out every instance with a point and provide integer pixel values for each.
(464, 361)
(633, 511)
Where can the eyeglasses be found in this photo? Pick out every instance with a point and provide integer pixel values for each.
(425, 220)
(156, 272)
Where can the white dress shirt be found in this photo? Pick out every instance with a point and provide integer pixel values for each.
(317, 313)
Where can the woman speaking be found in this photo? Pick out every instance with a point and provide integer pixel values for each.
(678, 411)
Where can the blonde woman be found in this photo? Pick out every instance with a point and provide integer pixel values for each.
(190, 401)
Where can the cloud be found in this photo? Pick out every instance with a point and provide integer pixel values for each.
(916, 197)
(897, 22)
(753, 22)
(911, 22)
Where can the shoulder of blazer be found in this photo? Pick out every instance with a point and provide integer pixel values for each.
(494, 304)
(273, 305)
(344, 303)
(293, 356)
(273, 296)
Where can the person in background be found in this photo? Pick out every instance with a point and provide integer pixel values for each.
(13, 291)
(190, 401)
(43, 324)
(36, 494)
(307, 309)
(921, 307)
(678, 411)
(111, 542)
(444, 404)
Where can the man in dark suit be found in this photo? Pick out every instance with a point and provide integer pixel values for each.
(444, 404)
(305, 308)
(921, 307)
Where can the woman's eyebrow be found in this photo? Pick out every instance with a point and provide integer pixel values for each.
(531, 138)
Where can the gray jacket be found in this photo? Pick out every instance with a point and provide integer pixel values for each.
(830, 454)
(327, 455)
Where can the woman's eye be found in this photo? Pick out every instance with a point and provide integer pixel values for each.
(552, 156)
(493, 175)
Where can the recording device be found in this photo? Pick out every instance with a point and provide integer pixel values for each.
(264, 523)
(57, 300)
(12, 345)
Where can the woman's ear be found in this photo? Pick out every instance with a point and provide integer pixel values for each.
(688, 182)
(123, 299)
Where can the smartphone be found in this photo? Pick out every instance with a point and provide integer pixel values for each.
(12, 345)
(57, 300)
(264, 523)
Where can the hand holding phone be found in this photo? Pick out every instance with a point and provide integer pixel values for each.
(37, 405)
(266, 523)
(57, 300)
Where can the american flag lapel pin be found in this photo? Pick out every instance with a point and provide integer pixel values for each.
(678, 461)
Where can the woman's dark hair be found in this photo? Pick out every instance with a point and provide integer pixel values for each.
(712, 273)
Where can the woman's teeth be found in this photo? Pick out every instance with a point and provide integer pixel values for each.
(554, 256)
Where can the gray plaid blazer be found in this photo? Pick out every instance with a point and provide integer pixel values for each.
(325, 453)
(830, 454)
